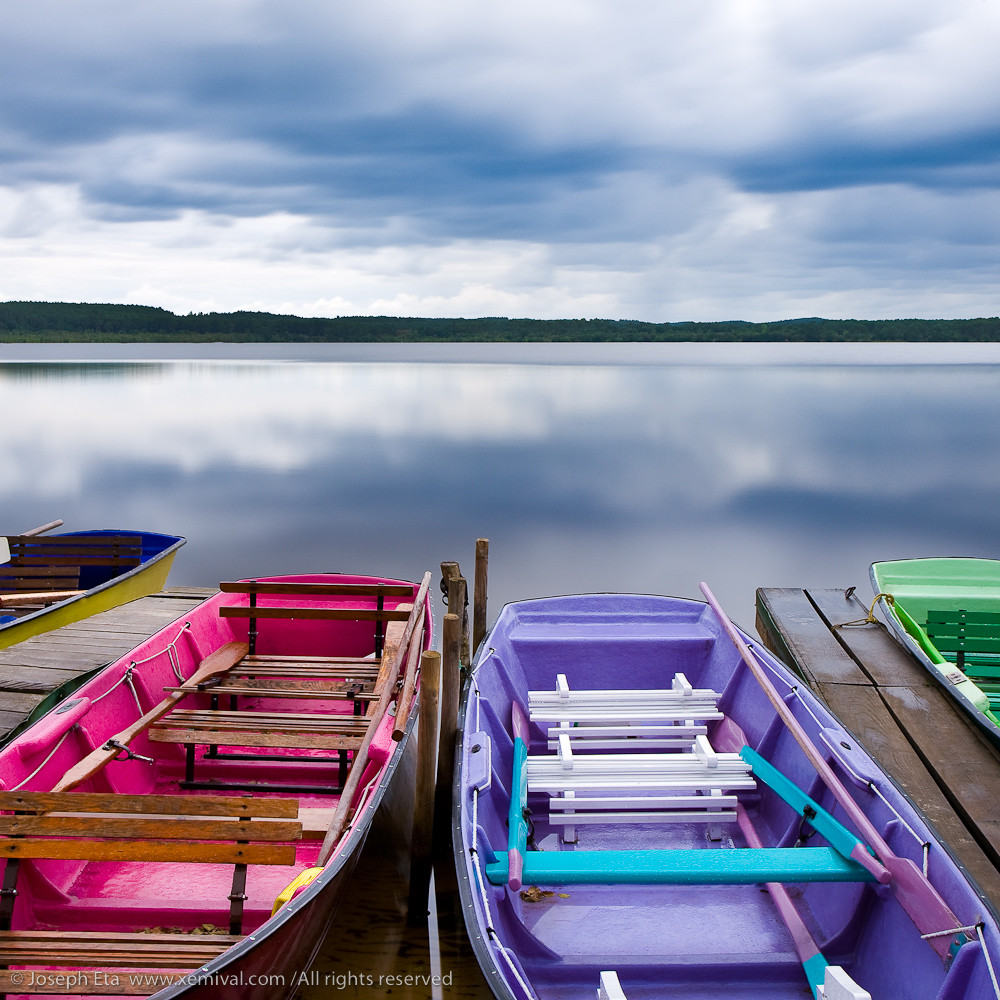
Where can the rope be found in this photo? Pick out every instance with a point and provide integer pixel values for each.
(52, 752)
(871, 619)
(986, 955)
(954, 930)
(171, 650)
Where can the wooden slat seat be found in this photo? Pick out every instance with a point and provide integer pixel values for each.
(123, 949)
(346, 668)
(99, 826)
(26, 598)
(172, 829)
(108, 957)
(260, 729)
(280, 687)
(54, 562)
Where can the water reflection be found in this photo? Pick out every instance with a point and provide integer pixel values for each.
(584, 476)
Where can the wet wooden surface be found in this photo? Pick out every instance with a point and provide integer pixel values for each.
(32, 669)
(899, 713)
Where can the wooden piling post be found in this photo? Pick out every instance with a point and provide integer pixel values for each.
(479, 619)
(423, 808)
(451, 671)
(458, 602)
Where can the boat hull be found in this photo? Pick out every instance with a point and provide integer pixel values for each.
(147, 578)
(551, 940)
(908, 589)
(272, 960)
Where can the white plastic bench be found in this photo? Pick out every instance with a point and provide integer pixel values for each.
(630, 719)
(687, 787)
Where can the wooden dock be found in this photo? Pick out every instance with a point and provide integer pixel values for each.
(899, 713)
(40, 669)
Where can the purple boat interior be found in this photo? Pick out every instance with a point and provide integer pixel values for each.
(657, 886)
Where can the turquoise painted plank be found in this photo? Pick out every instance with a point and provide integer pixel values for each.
(818, 818)
(744, 866)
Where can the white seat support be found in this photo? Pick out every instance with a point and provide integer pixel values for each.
(838, 985)
(610, 988)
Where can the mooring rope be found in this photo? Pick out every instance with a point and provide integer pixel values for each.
(51, 754)
(871, 619)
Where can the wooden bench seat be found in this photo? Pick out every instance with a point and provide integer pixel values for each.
(279, 687)
(123, 949)
(179, 829)
(260, 729)
(54, 562)
(59, 958)
(320, 667)
(347, 678)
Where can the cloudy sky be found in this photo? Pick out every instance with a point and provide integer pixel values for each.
(648, 159)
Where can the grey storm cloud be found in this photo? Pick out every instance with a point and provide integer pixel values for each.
(676, 155)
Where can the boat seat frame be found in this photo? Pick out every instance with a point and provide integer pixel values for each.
(648, 773)
(109, 826)
(360, 680)
(971, 639)
(633, 785)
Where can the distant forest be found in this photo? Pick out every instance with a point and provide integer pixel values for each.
(65, 322)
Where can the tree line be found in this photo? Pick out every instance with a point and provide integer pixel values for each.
(68, 322)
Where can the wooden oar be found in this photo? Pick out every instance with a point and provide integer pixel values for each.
(411, 634)
(405, 700)
(42, 528)
(216, 663)
(921, 901)
(813, 961)
(36, 597)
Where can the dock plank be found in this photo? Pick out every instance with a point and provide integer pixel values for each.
(898, 713)
(31, 670)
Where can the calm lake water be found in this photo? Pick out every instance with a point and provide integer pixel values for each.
(643, 468)
(589, 467)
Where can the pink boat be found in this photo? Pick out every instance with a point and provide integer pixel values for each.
(186, 823)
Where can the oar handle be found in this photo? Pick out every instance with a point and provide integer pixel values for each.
(42, 528)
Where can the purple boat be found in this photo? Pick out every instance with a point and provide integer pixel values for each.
(648, 804)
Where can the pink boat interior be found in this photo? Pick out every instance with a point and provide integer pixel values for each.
(187, 833)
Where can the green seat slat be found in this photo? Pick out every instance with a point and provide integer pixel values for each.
(745, 866)
(973, 617)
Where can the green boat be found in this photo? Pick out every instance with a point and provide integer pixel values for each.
(946, 611)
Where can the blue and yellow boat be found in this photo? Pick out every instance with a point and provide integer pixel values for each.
(50, 580)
